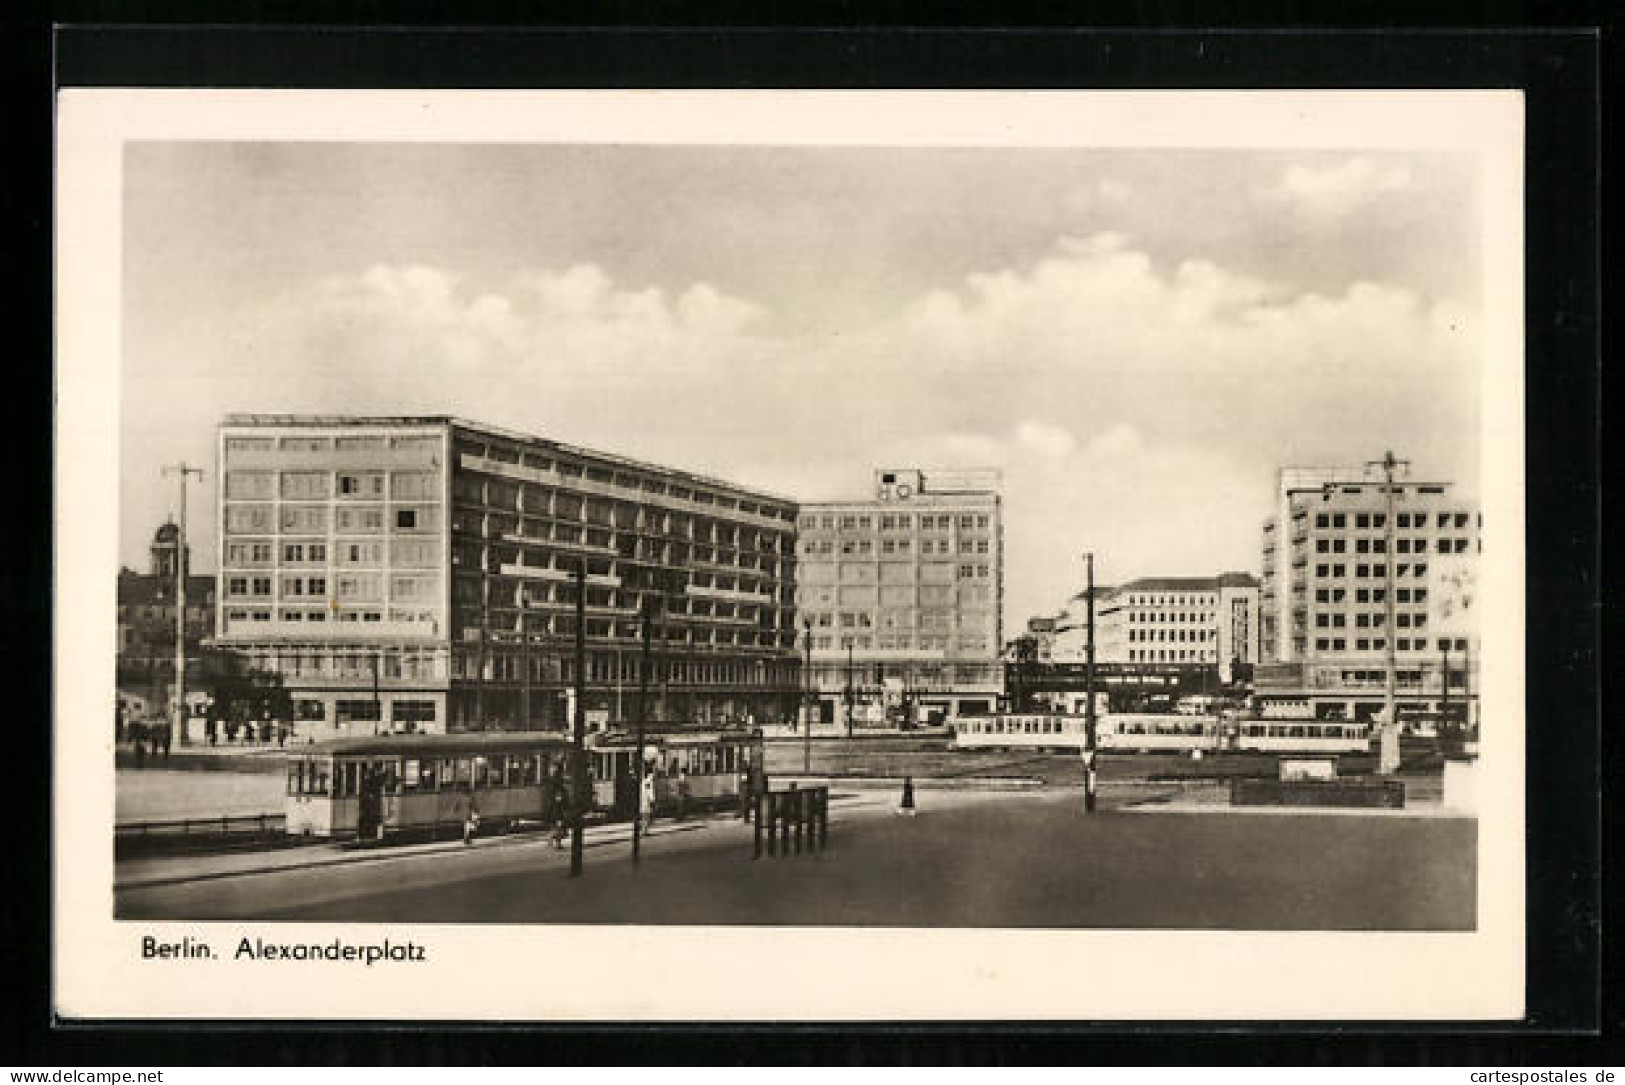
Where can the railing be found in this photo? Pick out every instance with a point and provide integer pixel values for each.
(242, 825)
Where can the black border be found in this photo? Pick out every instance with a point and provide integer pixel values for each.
(1557, 67)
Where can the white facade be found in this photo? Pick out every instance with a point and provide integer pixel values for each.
(903, 594)
(1326, 582)
(1168, 621)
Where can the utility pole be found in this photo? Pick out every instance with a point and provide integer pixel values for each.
(1388, 741)
(1444, 687)
(377, 702)
(806, 700)
(1089, 736)
(485, 632)
(524, 655)
(643, 712)
(182, 470)
(578, 774)
(851, 696)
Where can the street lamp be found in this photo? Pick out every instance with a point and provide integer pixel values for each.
(806, 699)
(851, 697)
(1388, 741)
(1089, 736)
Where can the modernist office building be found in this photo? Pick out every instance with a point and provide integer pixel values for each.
(417, 573)
(903, 594)
(1203, 621)
(1324, 597)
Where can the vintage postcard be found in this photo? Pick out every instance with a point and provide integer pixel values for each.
(789, 556)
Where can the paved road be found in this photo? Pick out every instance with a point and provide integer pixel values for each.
(967, 860)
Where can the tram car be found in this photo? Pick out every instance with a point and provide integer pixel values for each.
(426, 784)
(1148, 732)
(710, 764)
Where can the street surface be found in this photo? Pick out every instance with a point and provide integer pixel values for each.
(969, 859)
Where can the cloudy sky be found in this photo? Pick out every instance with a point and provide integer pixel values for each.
(1137, 338)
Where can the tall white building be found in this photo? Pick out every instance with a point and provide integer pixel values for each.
(903, 595)
(1325, 594)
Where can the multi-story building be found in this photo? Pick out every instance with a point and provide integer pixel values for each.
(903, 597)
(1208, 621)
(1326, 565)
(146, 627)
(418, 573)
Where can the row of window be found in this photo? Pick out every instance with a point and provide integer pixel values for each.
(865, 547)
(1380, 644)
(351, 443)
(1170, 634)
(306, 519)
(1403, 545)
(902, 642)
(1441, 520)
(1371, 595)
(901, 521)
(415, 553)
(1170, 655)
(1176, 599)
(1175, 617)
(322, 485)
(1404, 619)
(1402, 568)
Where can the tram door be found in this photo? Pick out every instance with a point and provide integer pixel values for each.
(370, 814)
(626, 786)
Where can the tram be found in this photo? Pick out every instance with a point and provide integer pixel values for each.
(1145, 732)
(710, 764)
(422, 784)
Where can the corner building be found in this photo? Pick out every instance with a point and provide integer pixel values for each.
(903, 595)
(1324, 600)
(418, 574)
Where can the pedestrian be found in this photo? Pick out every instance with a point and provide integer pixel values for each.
(471, 824)
(648, 800)
(682, 792)
(555, 803)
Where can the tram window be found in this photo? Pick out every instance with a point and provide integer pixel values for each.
(296, 777)
(317, 780)
(411, 778)
(482, 772)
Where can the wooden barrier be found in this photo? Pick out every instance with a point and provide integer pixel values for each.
(791, 822)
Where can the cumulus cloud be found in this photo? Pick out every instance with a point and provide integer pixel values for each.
(1334, 191)
(1045, 439)
(1118, 394)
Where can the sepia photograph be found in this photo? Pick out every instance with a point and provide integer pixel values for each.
(828, 530)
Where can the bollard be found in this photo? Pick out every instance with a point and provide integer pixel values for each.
(907, 805)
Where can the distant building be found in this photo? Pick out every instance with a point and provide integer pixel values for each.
(146, 627)
(417, 574)
(904, 592)
(1324, 594)
(1179, 622)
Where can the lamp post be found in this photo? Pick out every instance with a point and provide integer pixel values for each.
(183, 470)
(851, 696)
(806, 699)
(643, 712)
(1089, 736)
(1388, 741)
(578, 751)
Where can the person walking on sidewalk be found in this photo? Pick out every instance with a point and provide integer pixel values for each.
(471, 824)
(648, 800)
(555, 806)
